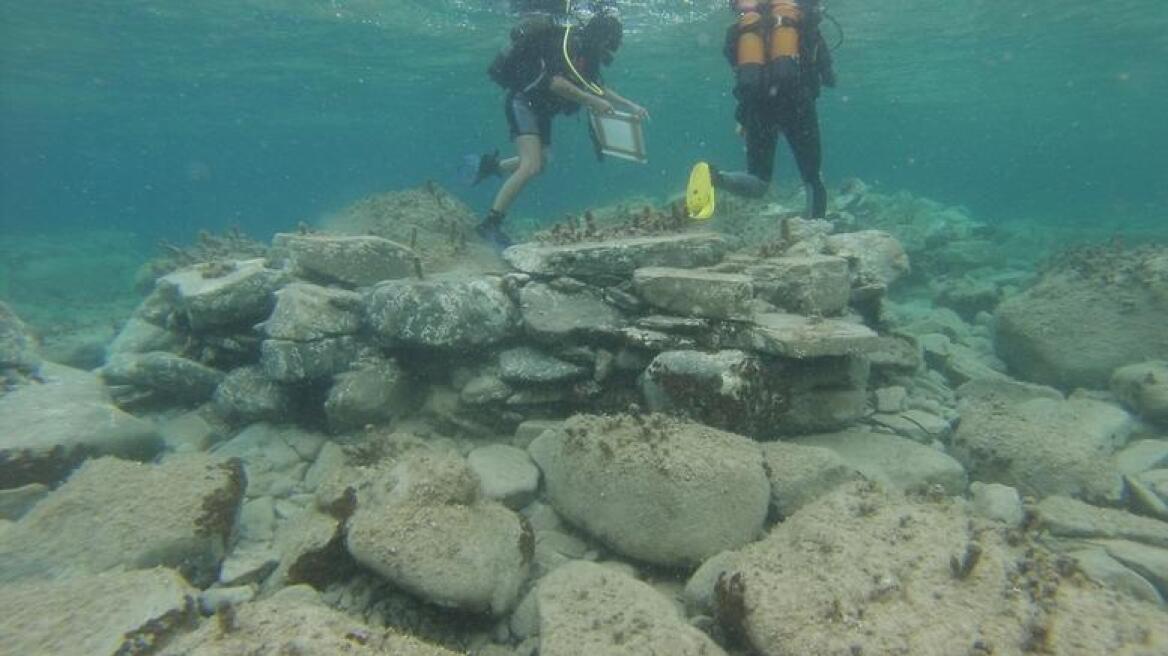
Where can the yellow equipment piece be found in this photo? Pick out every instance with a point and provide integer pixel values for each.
(699, 193)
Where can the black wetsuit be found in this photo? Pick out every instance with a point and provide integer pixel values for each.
(530, 106)
(789, 110)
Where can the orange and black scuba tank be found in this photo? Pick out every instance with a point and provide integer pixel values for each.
(768, 45)
(783, 56)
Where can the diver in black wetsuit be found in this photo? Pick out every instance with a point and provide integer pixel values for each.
(780, 61)
(549, 69)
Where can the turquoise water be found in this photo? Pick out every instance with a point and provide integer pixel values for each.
(163, 118)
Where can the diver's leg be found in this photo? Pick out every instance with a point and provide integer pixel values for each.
(530, 131)
(802, 132)
(762, 135)
(529, 165)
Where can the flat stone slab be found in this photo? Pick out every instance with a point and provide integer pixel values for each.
(295, 621)
(237, 294)
(506, 473)
(553, 315)
(450, 314)
(114, 514)
(691, 292)
(172, 376)
(47, 428)
(618, 257)
(305, 312)
(811, 284)
(1069, 518)
(357, 261)
(900, 462)
(795, 336)
(525, 365)
(100, 614)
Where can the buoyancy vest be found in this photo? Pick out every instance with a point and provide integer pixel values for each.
(523, 64)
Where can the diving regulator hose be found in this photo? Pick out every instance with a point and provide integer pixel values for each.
(591, 86)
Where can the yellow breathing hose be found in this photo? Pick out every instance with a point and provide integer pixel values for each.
(594, 88)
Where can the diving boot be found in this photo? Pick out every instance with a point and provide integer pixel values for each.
(491, 230)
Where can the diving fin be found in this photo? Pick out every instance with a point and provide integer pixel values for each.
(477, 168)
(699, 193)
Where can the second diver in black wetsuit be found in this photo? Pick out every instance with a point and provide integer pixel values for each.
(780, 62)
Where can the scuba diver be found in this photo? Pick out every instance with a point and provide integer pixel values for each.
(551, 67)
(780, 62)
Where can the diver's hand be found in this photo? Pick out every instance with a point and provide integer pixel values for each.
(638, 111)
(600, 106)
(738, 130)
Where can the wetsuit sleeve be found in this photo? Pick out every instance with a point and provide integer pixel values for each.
(730, 46)
(824, 66)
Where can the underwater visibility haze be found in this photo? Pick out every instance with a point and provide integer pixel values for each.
(170, 117)
(270, 383)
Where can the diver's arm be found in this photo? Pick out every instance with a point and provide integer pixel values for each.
(823, 61)
(615, 97)
(568, 91)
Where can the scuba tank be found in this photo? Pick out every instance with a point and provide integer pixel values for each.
(769, 44)
(783, 55)
(751, 56)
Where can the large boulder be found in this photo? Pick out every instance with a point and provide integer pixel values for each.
(113, 613)
(306, 312)
(445, 314)
(287, 361)
(161, 375)
(655, 489)
(424, 528)
(585, 608)
(876, 257)
(48, 427)
(730, 390)
(553, 316)
(246, 395)
(618, 258)
(1119, 305)
(374, 392)
(119, 514)
(691, 292)
(1041, 445)
(356, 261)
(215, 296)
(867, 571)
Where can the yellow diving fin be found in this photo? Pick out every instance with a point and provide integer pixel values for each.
(699, 193)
